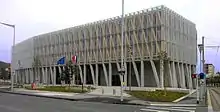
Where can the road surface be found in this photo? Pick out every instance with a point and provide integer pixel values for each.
(215, 98)
(22, 103)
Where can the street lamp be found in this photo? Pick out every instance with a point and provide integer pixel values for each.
(122, 71)
(12, 73)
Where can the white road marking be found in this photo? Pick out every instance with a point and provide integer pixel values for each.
(151, 110)
(172, 109)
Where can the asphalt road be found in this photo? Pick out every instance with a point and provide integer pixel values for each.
(215, 98)
(21, 103)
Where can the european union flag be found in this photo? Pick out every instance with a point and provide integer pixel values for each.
(61, 61)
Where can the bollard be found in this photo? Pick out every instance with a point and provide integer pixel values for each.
(102, 91)
(114, 92)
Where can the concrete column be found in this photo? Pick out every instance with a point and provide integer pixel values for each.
(136, 73)
(55, 76)
(92, 73)
(46, 75)
(142, 73)
(175, 84)
(31, 75)
(161, 73)
(84, 74)
(180, 73)
(105, 74)
(38, 75)
(16, 76)
(189, 76)
(170, 74)
(96, 74)
(110, 74)
(183, 76)
(155, 73)
(43, 79)
(51, 76)
(26, 72)
(81, 75)
(22, 76)
(60, 70)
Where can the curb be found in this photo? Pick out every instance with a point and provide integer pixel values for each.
(71, 99)
(181, 98)
(174, 105)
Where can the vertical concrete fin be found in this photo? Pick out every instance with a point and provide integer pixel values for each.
(55, 75)
(80, 72)
(170, 75)
(84, 74)
(51, 76)
(110, 74)
(43, 75)
(180, 77)
(142, 73)
(92, 72)
(105, 73)
(183, 76)
(189, 77)
(96, 74)
(46, 75)
(162, 73)
(155, 73)
(175, 84)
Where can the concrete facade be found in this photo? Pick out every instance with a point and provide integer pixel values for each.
(163, 49)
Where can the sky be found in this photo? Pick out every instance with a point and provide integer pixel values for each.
(34, 17)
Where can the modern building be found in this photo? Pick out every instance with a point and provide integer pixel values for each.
(159, 44)
(209, 70)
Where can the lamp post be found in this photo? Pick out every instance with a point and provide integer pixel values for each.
(12, 73)
(122, 70)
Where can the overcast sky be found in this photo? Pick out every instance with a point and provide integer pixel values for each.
(33, 17)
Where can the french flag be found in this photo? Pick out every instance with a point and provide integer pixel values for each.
(74, 59)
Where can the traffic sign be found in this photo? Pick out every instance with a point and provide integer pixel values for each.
(194, 76)
(202, 76)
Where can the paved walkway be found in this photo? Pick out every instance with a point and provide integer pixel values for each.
(108, 91)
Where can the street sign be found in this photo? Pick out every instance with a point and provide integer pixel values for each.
(202, 76)
(194, 76)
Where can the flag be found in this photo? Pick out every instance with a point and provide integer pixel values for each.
(74, 59)
(61, 61)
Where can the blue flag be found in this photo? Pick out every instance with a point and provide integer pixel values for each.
(61, 61)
